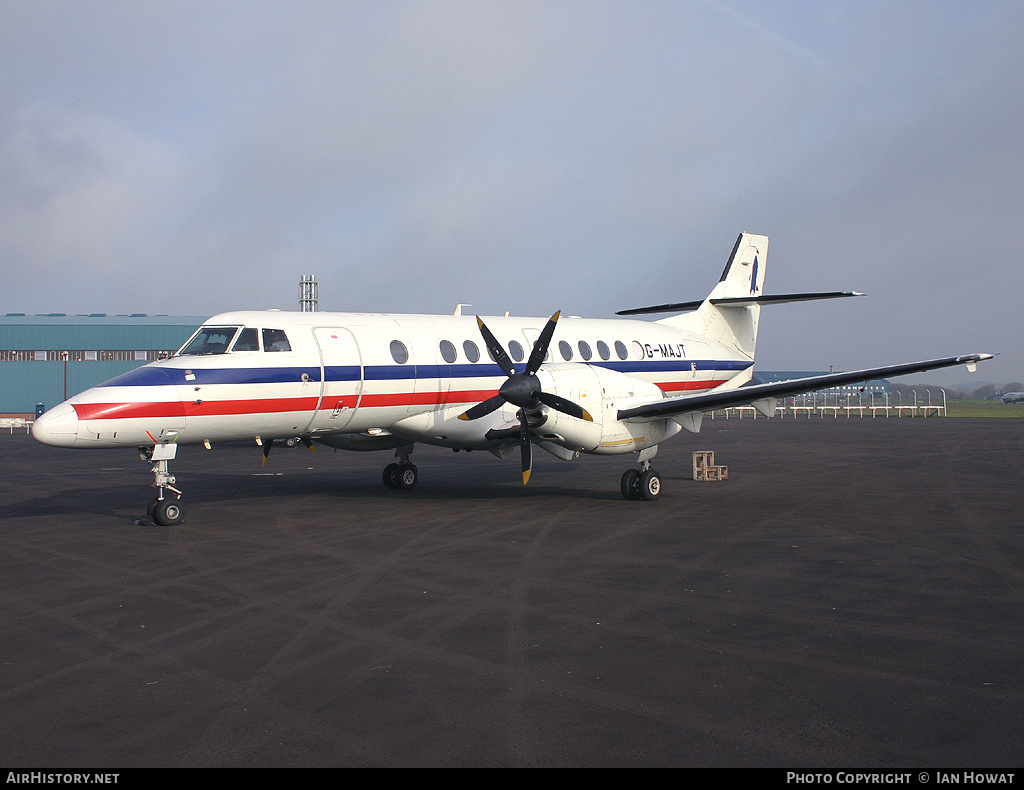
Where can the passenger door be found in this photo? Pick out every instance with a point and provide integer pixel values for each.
(341, 379)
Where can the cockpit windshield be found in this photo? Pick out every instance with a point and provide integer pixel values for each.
(209, 340)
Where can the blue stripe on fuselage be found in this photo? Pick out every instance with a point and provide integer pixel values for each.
(148, 376)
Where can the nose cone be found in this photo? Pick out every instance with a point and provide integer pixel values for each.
(57, 427)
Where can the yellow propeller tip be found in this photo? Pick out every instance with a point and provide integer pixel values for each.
(526, 477)
(586, 416)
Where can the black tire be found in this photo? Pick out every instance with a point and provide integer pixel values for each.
(391, 476)
(650, 485)
(168, 512)
(630, 484)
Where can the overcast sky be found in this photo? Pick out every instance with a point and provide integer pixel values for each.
(190, 158)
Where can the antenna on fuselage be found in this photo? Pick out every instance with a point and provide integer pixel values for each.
(307, 293)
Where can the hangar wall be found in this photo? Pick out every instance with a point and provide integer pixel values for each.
(42, 357)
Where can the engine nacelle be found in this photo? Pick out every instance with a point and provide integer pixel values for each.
(602, 392)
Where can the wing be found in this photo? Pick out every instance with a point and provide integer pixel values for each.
(719, 399)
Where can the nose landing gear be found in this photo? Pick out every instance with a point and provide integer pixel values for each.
(166, 509)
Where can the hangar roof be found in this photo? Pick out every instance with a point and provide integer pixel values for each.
(58, 331)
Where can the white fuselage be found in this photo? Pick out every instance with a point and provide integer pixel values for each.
(367, 381)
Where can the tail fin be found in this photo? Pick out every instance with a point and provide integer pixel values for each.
(733, 326)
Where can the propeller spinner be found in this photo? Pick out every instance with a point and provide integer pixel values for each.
(523, 389)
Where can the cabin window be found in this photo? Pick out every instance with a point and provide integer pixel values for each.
(448, 353)
(399, 352)
(585, 351)
(515, 350)
(565, 350)
(275, 340)
(620, 350)
(209, 340)
(602, 350)
(471, 351)
(248, 340)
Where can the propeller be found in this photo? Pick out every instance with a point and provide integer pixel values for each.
(523, 389)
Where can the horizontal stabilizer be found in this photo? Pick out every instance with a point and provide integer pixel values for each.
(672, 407)
(739, 301)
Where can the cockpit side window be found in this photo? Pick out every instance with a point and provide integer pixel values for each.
(248, 340)
(209, 340)
(275, 340)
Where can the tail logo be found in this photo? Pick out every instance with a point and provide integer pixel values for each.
(753, 277)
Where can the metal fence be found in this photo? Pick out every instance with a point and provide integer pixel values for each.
(824, 404)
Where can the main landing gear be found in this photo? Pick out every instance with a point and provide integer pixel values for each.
(642, 482)
(402, 474)
(166, 509)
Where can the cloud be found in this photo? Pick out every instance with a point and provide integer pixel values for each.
(190, 158)
(83, 195)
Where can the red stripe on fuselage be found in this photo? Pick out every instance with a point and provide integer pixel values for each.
(165, 409)
(383, 399)
(126, 411)
(680, 386)
(222, 408)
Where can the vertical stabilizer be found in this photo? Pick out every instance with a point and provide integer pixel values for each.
(734, 327)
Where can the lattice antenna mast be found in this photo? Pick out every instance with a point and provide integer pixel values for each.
(307, 293)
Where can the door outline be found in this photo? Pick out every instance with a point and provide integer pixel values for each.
(332, 413)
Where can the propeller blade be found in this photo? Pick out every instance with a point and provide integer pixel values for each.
(499, 354)
(540, 348)
(564, 406)
(309, 444)
(525, 446)
(266, 450)
(483, 409)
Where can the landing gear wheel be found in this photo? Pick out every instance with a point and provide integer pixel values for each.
(167, 512)
(407, 476)
(630, 484)
(650, 485)
(400, 475)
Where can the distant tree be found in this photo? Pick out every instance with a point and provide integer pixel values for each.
(985, 391)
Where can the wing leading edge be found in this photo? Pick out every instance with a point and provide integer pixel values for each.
(672, 407)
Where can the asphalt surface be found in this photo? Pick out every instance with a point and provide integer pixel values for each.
(853, 595)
